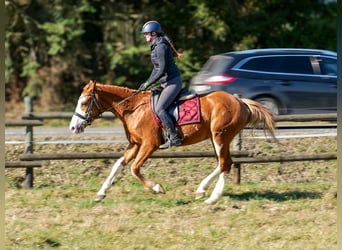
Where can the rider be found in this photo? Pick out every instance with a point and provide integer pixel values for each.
(166, 72)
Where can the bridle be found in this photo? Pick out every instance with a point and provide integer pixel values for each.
(87, 115)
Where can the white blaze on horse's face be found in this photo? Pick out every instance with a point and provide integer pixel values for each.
(77, 123)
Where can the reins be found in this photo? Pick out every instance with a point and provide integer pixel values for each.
(129, 97)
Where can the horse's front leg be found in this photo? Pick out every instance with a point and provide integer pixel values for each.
(101, 194)
(127, 157)
(142, 156)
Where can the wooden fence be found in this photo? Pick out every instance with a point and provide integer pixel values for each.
(29, 160)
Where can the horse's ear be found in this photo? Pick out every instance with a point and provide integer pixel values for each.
(94, 86)
(92, 82)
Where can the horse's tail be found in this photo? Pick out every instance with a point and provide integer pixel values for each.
(260, 115)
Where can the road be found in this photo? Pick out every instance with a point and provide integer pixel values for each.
(41, 135)
(117, 134)
(118, 131)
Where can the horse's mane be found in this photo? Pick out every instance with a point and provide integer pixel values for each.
(124, 100)
(119, 90)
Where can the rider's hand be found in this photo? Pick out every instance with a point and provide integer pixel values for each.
(143, 86)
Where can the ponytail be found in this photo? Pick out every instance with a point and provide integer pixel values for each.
(178, 54)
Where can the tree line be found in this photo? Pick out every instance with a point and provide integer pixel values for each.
(53, 48)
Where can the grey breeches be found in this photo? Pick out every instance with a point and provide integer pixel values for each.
(168, 95)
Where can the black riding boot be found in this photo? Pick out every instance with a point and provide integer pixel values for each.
(171, 132)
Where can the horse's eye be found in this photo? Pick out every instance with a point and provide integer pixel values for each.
(84, 104)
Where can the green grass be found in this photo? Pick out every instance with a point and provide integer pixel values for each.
(247, 217)
(277, 206)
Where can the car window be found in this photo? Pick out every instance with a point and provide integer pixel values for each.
(328, 66)
(280, 64)
(297, 65)
(268, 64)
(217, 64)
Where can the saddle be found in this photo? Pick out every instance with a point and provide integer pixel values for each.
(185, 109)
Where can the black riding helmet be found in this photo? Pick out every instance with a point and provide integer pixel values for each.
(151, 26)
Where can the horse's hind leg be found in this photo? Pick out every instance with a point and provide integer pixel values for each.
(218, 190)
(224, 164)
(128, 155)
(205, 183)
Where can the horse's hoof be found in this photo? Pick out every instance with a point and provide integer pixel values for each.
(210, 201)
(158, 188)
(199, 195)
(99, 198)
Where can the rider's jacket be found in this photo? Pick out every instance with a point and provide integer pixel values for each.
(164, 67)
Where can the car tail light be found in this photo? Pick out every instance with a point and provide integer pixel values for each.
(220, 79)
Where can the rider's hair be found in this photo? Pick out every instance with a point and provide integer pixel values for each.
(167, 38)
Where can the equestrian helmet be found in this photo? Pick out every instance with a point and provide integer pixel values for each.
(151, 26)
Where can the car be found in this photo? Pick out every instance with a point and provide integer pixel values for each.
(285, 80)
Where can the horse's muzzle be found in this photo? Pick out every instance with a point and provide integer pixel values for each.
(77, 125)
(77, 129)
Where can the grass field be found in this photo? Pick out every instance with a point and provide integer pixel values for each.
(277, 206)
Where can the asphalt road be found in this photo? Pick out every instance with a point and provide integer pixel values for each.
(117, 134)
(118, 131)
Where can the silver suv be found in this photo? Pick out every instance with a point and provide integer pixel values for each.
(287, 81)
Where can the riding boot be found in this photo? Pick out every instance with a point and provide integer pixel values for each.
(172, 138)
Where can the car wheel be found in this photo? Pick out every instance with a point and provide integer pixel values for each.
(269, 103)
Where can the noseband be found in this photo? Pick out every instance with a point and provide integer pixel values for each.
(87, 115)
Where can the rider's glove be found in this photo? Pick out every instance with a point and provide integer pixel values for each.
(144, 86)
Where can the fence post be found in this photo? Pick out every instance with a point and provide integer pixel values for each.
(29, 142)
(237, 142)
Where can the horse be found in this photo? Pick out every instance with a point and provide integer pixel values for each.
(222, 117)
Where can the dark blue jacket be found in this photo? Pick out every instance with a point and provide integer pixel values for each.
(164, 67)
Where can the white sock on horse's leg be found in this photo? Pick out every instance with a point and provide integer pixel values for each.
(203, 186)
(218, 190)
(110, 179)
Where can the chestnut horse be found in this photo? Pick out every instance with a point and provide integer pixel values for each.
(223, 116)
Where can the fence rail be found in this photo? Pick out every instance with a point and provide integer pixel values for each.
(24, 123)
(115, 155)
(57, 115)
(238, 157)
(29, 160)
(22, 164)
(109, 115)
(307, 117)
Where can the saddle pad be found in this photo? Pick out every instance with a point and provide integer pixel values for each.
(188, 112)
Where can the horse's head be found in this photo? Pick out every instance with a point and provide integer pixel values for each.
(87, 109)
